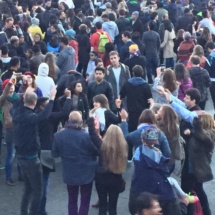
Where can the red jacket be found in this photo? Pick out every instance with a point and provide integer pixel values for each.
(94, 39)
(74, 45)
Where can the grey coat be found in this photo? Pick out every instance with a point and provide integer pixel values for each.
(66, 60)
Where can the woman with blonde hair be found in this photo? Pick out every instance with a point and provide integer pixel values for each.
(198, 51)
(112, 163)
(54, 71)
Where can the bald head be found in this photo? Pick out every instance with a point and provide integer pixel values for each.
(75, 119)
(75, 116)
(30, 99)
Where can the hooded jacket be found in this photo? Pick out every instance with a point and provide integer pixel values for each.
(111, 28)
(201, 81)
(44, 82)
(66, 60)
(137, 91)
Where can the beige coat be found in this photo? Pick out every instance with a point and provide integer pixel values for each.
(168, 44)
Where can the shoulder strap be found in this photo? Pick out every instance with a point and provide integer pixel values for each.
(4, 73)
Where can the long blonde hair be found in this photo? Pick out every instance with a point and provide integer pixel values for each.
(198, 50)
(114, 150)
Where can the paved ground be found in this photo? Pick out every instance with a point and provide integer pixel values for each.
(10, 197)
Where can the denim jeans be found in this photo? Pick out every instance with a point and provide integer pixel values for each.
(46, 173)
(170, 63)
(73, 191)
(151, 66)
(32, 176)
(108, 188)
(10, 152)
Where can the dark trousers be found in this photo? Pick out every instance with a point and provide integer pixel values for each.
(32, 176)
(108, 188)
(10, 152)
(212, 90)
(189, 184)
(151, 66)
(170, 63)
(82, 68)
(132, 126)
(46, 173)
(73, 191)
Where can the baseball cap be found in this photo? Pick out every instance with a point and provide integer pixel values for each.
(150, 136)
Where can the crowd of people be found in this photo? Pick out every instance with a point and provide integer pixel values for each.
(102, 84)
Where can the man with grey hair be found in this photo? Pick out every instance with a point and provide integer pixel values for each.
(27, 148)
(185, 48)
(136, 24)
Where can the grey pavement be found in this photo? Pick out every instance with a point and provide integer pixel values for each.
(10, 197)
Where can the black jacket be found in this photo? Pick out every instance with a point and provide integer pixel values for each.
(66, 80)
(137, 26)
(46, 126)
(76, 23)
(122, 24)
(103, 88)
(137, 91)
(26, 128)
(83, 48)
(184, 22)
(201, 81)
(82, 105)
(201, 150)
(136, 60)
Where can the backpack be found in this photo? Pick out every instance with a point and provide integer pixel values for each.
(103, 40)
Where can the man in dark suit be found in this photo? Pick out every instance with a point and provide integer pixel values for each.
(136, 23)
(124, 52)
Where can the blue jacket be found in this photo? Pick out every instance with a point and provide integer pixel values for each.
(135, 139)
(78, 155)
(150, 174)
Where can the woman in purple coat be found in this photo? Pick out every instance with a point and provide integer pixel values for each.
(182, 77)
